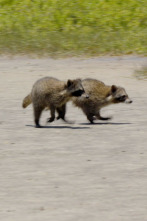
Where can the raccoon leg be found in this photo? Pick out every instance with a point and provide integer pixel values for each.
(102, 118)
(61, 112)
(90, 117)
(37, 114)
(52, 118)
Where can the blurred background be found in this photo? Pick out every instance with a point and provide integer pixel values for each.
(73, 28)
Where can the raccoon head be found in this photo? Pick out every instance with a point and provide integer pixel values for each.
(75, 88)
(119, 95)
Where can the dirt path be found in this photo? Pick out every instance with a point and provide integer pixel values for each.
(73, 172)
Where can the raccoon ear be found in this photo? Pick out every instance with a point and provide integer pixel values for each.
(69, 83)
(113, 88)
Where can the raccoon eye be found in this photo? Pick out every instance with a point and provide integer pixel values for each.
(81, 91)
(78, 93)
(122, 98)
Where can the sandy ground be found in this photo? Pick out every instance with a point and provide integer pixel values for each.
(73, 172)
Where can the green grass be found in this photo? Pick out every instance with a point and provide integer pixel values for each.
(73, 27)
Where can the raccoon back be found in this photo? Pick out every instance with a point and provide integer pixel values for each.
(48, 91)
(95, 89)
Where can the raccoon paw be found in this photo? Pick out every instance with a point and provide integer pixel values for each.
(105, 118)
(91, 120)
(38, 126)
(51, 119)
(58, 117)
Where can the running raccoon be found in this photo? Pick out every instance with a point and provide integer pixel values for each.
(53, 94)
(100, 95)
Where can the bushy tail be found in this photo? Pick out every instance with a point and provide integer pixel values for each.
(26, 101)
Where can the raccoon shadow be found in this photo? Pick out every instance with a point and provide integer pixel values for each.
(106, 123)
(59, 127)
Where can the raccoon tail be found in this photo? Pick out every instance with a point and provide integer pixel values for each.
(26, 101)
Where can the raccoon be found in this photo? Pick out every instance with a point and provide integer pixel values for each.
(100, 95)
(53, 94)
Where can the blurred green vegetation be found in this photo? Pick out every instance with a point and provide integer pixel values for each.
(73, 27)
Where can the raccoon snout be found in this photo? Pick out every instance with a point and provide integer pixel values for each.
(128, 101)
(85, 95)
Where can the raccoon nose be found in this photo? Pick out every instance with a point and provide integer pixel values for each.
(128, 101)
(85, 95)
